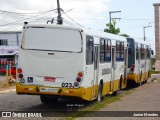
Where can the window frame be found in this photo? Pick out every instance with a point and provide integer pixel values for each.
(102, 50)
(137, 51)
(120, 51)
(108, 50)
(142, 52)
(105, 50)
(89, 61)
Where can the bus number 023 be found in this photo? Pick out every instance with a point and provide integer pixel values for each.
(67, 85)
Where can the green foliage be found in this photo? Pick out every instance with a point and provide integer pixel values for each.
(125, 35)
(152, 61)
(111, 28)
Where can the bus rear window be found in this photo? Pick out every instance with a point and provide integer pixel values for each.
(52, 39)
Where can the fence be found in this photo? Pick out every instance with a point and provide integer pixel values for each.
(9, 70)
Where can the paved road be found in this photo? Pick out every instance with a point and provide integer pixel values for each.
(146, 97)
(12, 102)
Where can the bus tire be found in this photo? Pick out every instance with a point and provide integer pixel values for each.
(116, 93)
(44, 99)
(99, 98)
(48, 99)
(140, 83)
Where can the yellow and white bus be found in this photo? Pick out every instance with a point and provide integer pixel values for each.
(139, 66)
(61, 61)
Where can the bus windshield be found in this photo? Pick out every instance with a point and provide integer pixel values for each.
(54, 39)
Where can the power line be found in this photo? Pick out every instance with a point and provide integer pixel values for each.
(73, 20)
(24, 13)
(136, 19)
(68, 22)
(42, 13)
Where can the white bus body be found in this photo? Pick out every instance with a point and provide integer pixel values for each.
(139, 65)
(68, 61)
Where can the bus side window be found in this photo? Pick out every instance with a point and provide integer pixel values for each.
(118, 51)
(149, 53)
(102, 50)
(137, 52)
(129, 51)
(122, 51)
(108, 50)
(142, 52)
(89, 50)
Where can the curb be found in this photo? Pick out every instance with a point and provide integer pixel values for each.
(6, 91)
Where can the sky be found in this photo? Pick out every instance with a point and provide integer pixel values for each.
(93, 14)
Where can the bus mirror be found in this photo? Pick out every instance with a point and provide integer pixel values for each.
(129, 51)
(152, 52)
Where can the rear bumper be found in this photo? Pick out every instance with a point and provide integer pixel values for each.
(34, 90)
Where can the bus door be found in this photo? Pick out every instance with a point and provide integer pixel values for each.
(145, 67)
(139, 64)
(96, 68)
(125, 65)
(113, 68)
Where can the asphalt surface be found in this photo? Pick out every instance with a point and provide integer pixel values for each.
(146, 97)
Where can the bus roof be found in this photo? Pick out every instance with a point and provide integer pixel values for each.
(86, 31)
(139, 41)
(105, 35)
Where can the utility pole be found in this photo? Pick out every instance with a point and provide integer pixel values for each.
(110, 17)
(59, 18)
(144, 31)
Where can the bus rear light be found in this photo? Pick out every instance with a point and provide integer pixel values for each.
(26, 88)
(132, 67)
(78, 79)
(70, 91)
(19, 70)
(80, 74)
(20, 76)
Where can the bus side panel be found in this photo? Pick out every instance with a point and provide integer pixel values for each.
(105, 75)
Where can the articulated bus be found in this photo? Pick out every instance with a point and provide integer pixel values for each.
(139, 66)
(60, 61)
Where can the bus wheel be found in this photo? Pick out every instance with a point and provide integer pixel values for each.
(48, 99)
(100, 93)
(140, 83)
(116, 93)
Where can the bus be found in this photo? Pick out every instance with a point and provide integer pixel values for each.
(57, 61)
(139, 57)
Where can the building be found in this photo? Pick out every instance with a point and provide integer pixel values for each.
(157, 34)
(9, 47)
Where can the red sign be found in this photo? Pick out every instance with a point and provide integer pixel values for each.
(51, 79)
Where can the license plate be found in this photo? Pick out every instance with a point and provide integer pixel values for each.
(50, 79)
(54, 90)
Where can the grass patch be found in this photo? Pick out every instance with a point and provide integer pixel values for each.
(94, 106)
(155, 72)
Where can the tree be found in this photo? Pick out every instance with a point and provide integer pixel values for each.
(124, 35)
(111, 28)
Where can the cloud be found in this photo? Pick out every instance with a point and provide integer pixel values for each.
(83, 11)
